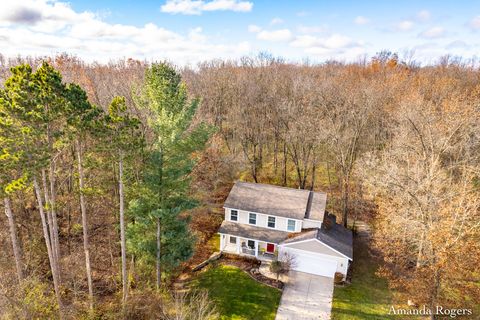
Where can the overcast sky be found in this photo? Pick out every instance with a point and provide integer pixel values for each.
(189, 31)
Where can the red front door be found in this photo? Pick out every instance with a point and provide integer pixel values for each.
(270, 248)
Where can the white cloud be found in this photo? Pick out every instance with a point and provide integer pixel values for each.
(360, 20)
(279, 35)
(457, 44)
(46, 27)
(423, 15)
(405, 25)
(312, 29)
(334, 41)
(276, 21)
(335, 46)
(254, 28)
(475, 23)
(432, 33)
(275, 35)
(196, 7)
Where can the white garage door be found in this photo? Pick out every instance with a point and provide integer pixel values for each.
(312, 263)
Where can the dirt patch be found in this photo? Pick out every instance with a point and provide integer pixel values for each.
(240, 262)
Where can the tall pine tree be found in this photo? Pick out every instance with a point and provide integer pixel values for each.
(159, 233)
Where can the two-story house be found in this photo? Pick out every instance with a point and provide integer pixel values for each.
(263, 221)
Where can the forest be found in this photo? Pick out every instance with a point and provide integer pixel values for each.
(113, 176)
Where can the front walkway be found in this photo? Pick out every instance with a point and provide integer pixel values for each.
(306, 296)
(265, 270)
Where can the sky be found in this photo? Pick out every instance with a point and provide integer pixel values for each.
(186, 32)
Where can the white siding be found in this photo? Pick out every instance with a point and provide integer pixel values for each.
(281, 223)
(310, 262)
(262, 220)
(310, 248)
(315, 246)
(242, 217)
(307, 224)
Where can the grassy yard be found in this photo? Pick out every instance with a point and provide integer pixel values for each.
(214, 242)
(368, 297)
(237, 296)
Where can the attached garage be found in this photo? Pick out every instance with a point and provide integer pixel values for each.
(323, 251)
(312, 263)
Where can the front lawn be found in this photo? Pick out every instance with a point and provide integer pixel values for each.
(236, 295)
(368, 296)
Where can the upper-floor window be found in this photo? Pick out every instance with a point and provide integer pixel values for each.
(291, 225)
(271, 222)
(252, 218)
(233, 215)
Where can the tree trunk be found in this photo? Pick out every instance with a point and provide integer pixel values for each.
(159, 226)
(123, 243)
(420, 250)
(345, 195)
(314, 169)
(254, 164)
(54, 215)
(83, 208)
(275, 157)
(46, 235)
(13, 235)
(159, 270)
(49, 219)
(284, 171)
(434, 293)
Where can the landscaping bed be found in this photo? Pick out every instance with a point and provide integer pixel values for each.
(251, 266)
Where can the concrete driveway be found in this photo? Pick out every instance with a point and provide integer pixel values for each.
(306, 296)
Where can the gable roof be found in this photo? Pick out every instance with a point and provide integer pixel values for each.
(277, 201)
(253, 232)
(337, 237)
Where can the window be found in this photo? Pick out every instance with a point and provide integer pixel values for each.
(252, 218)
(233, 215)
(271, 222)
(291, 225)
(233, 240)
(251, 244)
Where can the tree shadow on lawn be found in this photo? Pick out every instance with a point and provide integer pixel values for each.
(368, 296)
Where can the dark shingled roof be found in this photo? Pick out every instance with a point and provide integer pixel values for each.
(337, 237)
(252, 232)
(278, 201)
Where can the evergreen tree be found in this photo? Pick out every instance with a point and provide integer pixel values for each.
(28, 101)
(11, 178)
(124, 141)
(159, 233)
(84, 118)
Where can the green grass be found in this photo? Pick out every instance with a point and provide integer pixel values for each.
(214, 242)
(236, 295)
(368, 296)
